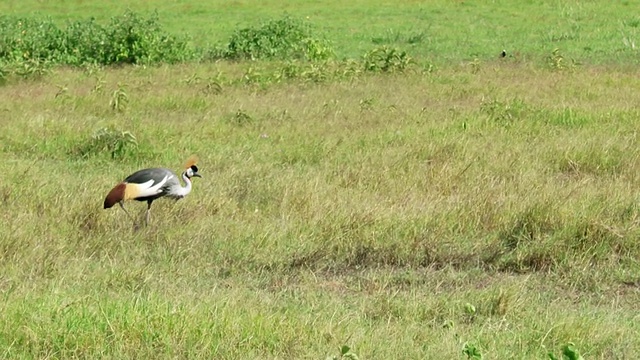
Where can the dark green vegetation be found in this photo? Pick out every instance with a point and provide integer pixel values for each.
(382, 193)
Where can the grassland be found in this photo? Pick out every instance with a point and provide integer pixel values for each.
(440, 31)
(487, 205)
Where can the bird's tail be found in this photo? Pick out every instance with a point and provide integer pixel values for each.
(115, 195)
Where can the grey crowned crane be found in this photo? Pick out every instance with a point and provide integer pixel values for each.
(150, 184)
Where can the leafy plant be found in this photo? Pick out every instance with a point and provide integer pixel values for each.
(392, 36)
(469, 309)
(24, 39)
(285, 38)
(133, 39)
(367, 104)
(212, 87)
(386, 59)
(31, 68)
(557, 61)
(252, 75)
(119, 98)
(97, 88)
(504, 112)
(289, 70)
(128, 38)
(345, 353)
(471, 351)
(240, 118)
(569, 352)
(62, 93)
(107, 139)
(3, 74)
(316, 72)
(475, 66)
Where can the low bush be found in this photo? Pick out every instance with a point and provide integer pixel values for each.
(127, 39)
(285, 38)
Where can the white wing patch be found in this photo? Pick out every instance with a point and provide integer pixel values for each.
(149, 189)
(146, 189)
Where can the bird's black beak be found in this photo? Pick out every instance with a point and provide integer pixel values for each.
(197, 175)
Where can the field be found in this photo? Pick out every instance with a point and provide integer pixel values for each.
(455, 205)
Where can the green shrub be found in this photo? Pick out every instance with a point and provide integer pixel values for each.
(127, 39)
(286, 38)
(28, 38)
(133, 39)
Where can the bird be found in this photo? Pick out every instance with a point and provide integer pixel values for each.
(151, 184)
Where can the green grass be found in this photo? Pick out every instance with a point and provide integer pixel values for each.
(488, 205)
(441, 31)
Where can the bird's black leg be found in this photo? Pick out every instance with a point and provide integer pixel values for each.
(148, 211)
(125, 211)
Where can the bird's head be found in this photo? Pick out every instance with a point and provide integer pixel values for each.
(192, 171)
